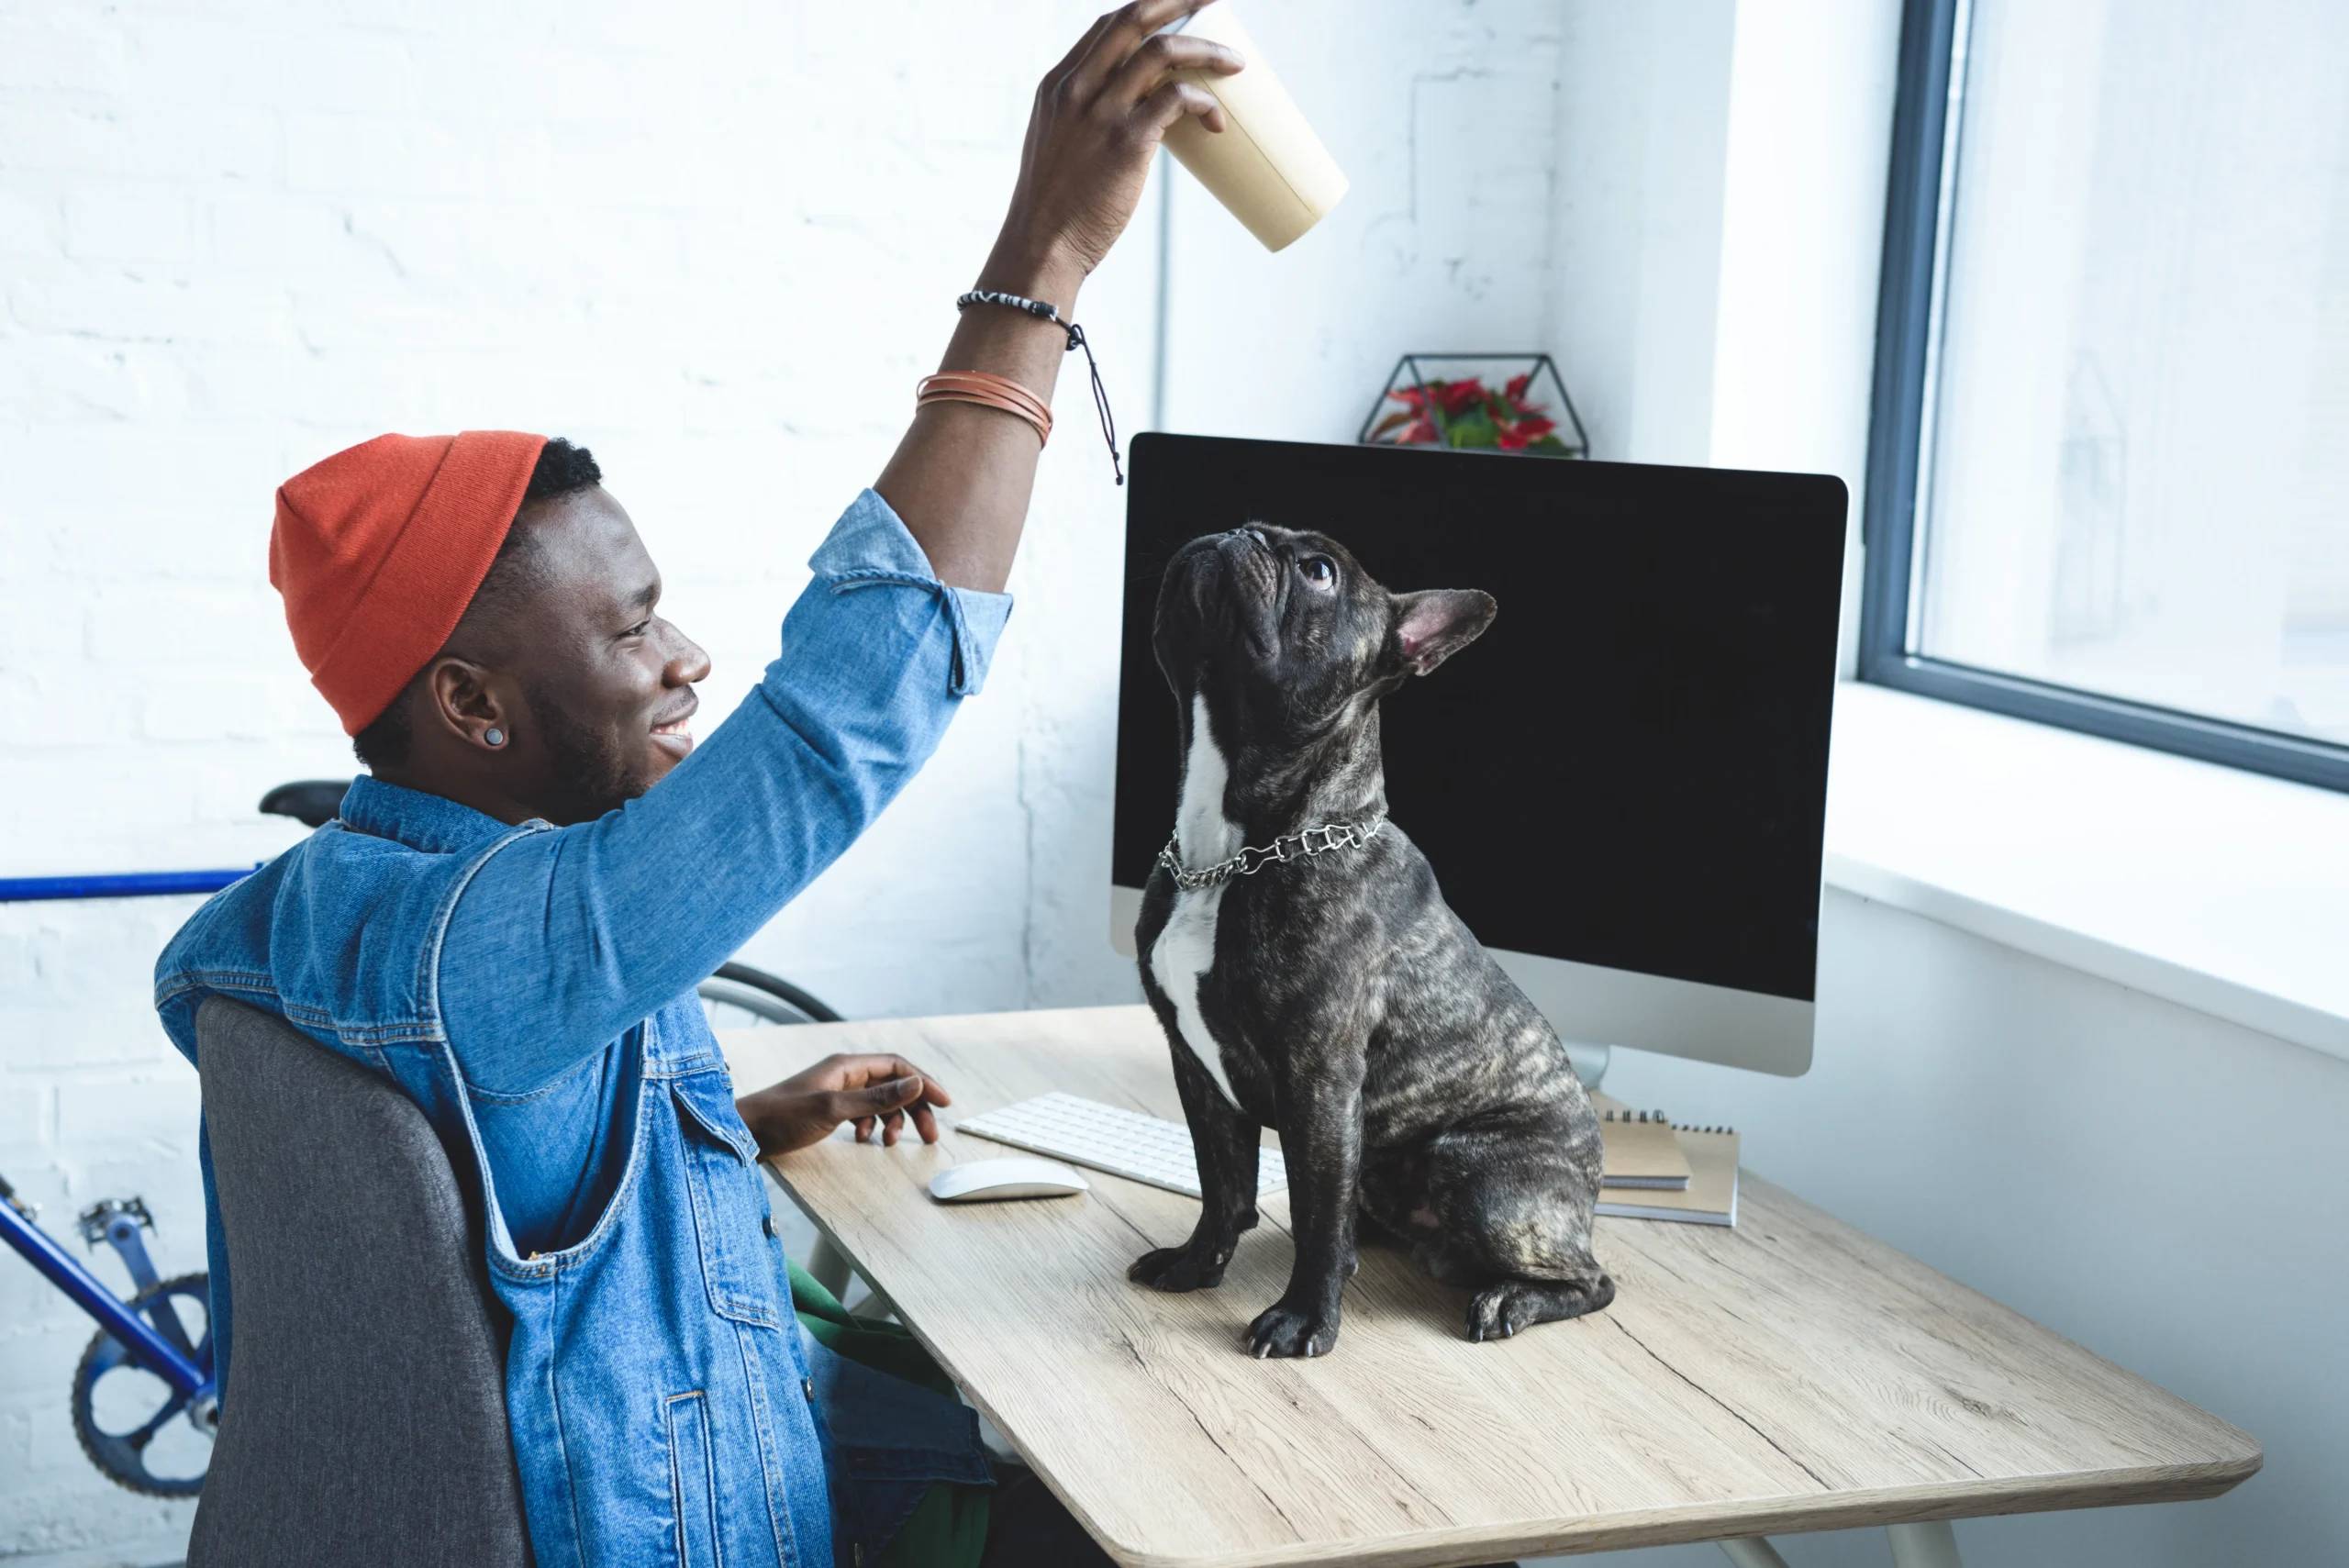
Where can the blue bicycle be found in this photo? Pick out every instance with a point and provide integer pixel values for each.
(145, 1401)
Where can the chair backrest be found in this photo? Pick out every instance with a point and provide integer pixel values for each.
(364, 1420)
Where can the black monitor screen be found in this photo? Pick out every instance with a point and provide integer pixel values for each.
(1630, 768)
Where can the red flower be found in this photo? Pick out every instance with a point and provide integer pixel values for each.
(1439, 412)
(1458, 397)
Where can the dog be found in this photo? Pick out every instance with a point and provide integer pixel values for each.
(1310, 977)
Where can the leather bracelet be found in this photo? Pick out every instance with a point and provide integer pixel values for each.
(988, 391)
(987, 381)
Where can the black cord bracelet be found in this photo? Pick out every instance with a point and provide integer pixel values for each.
(1044, 311)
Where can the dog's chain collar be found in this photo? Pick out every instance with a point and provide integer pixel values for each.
(1296, 846)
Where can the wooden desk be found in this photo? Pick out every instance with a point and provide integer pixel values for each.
(1791, 1375)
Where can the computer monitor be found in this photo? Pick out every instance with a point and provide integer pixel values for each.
(1622, 784)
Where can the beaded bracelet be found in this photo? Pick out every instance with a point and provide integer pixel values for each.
(1044, 311)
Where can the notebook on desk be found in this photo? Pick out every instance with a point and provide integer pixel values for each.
(1709, 1196)
(1641, 1151)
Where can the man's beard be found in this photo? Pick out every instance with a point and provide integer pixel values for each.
(592, 765)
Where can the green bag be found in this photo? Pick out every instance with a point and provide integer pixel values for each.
(947, 1529)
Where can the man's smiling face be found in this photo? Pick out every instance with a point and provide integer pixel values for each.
(573, 629)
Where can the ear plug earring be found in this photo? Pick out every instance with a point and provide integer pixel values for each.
(494, 736)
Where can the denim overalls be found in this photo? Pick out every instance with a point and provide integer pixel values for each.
(531, 988)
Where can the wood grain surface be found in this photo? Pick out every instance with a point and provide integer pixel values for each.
(1789, 1374)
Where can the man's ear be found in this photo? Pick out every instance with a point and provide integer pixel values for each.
(1432, 627)
(462, 699)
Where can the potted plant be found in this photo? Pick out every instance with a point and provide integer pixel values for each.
(1503, 403)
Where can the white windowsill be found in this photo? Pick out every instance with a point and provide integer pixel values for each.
(2219, 890)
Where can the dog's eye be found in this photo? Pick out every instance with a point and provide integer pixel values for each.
(1319, 570)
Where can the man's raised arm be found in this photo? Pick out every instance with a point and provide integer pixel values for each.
(962, 476)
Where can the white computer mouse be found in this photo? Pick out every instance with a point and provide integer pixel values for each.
(983, 1181)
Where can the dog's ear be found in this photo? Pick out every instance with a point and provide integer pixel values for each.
(1432, 627)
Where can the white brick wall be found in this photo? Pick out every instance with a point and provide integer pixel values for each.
(716, 242)
(1444, 117)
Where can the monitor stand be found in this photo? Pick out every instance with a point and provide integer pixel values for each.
(1589, 1060)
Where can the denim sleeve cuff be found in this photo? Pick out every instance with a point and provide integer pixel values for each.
(870, 548)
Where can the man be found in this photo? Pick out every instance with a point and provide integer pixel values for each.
(509, 919)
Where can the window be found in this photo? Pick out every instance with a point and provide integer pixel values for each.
(2108, 466)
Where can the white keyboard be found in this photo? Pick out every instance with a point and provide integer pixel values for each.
(1124, 1143)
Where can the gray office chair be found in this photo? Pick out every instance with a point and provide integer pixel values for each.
(364, 1420)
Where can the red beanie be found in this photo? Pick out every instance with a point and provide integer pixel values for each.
(378, 549)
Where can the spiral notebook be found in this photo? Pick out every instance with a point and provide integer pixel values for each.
(1710, 1196)
(1641, 1151)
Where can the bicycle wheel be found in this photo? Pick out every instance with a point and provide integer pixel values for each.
(739, 996)
(138, 1429)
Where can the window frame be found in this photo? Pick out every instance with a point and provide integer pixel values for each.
(1919, 190)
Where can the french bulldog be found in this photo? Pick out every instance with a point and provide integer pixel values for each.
(1310, 977)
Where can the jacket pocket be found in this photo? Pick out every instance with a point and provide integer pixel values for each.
(693, 1480)
(738, 1259)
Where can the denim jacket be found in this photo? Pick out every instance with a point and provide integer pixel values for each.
(532, 988)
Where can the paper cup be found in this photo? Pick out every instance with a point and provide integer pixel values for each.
(1266, 166)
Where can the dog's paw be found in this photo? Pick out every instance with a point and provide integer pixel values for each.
(1499, 1311)
(1176, 1268)
(1282, 1331)
(1496, 1314)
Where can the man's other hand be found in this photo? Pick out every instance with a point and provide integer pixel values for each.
(878, 1093)
(1099, 119)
